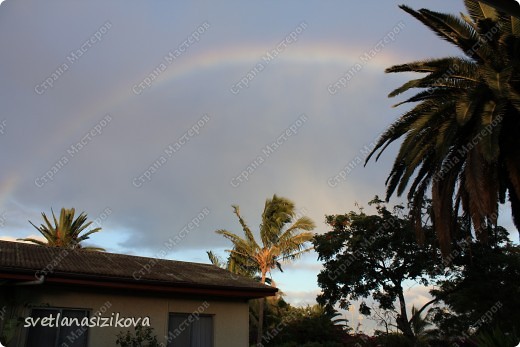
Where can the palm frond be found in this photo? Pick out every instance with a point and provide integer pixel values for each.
(35, 241)
(93, 249)
(215, 260)
(479, 11)
(449, 28)
(236, 240)
(248, 233)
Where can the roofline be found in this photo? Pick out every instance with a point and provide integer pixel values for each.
(154, 286)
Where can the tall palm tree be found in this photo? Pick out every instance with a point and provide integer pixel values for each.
(65, 232)
(282, 239)
(511, 7)
(461, 137)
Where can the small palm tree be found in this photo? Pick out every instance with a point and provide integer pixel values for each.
(281, 238)
(420, 327)
(65, 232)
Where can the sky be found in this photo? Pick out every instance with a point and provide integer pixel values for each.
(154, 117)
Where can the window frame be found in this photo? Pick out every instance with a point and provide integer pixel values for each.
(185, 318)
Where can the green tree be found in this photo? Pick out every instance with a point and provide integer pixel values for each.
(461, 137)
(283, 237)
(290, 326)
(66, 231)
(372, 256)
(480, 290)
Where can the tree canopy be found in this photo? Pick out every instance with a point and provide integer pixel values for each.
(372, 256)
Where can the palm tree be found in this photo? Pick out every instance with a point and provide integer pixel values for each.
(461, 137)
(420, 327)
(65, 232)
(281, 238)
(511, 7)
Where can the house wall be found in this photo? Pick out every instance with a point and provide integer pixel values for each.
(230, 318)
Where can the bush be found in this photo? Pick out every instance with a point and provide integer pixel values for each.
(310, 344)
(143, 337)
(394, 340)
(497, 337)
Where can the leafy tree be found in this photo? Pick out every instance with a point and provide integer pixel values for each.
(480, 291)
(461, 137)
(302, 326)
(66, 231)
(497, 337)
(383, 318)
(372, 256)
(282, 239)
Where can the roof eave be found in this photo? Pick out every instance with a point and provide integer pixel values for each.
(143, 285)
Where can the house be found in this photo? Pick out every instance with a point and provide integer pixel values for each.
(61, 297)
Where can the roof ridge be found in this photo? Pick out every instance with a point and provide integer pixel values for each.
(59, 249)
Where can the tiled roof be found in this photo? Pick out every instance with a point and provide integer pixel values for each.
(53, 262)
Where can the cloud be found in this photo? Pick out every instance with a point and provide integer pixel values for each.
(14, 239)
(91, 165)
(417, 296)
(301, 298)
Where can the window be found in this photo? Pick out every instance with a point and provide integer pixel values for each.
(56, 335)
(190, 330)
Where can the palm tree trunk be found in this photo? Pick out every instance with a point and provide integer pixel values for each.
(260, 332)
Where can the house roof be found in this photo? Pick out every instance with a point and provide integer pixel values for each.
(27, 262)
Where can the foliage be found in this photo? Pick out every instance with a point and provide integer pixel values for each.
(142, 337)
(9, 326)
(481, 288)
(235, 264)
(361, 340)
(497, 337)
(13, 304)
(372, 255)
(422, 328)
(302, 326)
(66, 231)
(394, 340)
(510, 7)
(461, 136)
(280, 235)
(283, 237)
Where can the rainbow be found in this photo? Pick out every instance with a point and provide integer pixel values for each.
(246, 57)
(243, 58)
